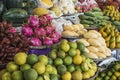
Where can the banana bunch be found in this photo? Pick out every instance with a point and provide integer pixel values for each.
(111, 36)
(112, 12)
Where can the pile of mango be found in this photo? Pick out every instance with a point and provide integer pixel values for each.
(94, 17)
(112, 12)
(111, 35)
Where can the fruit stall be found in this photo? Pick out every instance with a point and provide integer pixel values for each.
(59, 40)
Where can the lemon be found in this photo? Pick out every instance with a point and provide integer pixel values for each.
(77, 59)
(39, 67)
(43, 59)
(91, 72)
(48, 69)
(64, 47)
(20, 58)
(85, 75)
(54, 70)
(66, 76)
(7, 76)
(2, 72)
(11, 66)
(40, 78)
(77, 52)
(117, 74)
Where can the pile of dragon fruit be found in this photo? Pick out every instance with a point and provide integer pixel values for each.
(40, 31)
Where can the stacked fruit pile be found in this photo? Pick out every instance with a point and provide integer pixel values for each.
(75, 30)
(62, 63)
(112, 12)
(111, 36)
(111, 73)
(93, 18)
(11, 42)
(40, 31)
(96, 46)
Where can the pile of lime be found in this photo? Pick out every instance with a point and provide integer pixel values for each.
(112, 72)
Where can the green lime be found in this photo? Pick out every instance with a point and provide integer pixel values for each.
(113, 70)
(58, 61)
(40, 78)
(30, 74)
(61, 69)
(61, 54)
(25, 67)
(50, 61)
(113, 77)
(53, 77)
(98, 78)
(2, 72)
(72, 52)
(71, 68)
(102, 74)
(32, 59)
(52, 54)
(78, 68)
(109, 73)
(107, 78)
(17, 75)
(73, 45)
(67, 60)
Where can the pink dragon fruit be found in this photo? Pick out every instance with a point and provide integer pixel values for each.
(13, 30)
(27, 31)
(49, 18)
(35, 42)
(49, 30)
(47, 41)
(42, 21)
(55, 37)
(33, 21)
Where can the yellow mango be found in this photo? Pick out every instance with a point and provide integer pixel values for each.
(107, 38)
(112, 45)
(107, 43)
(112, 39)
